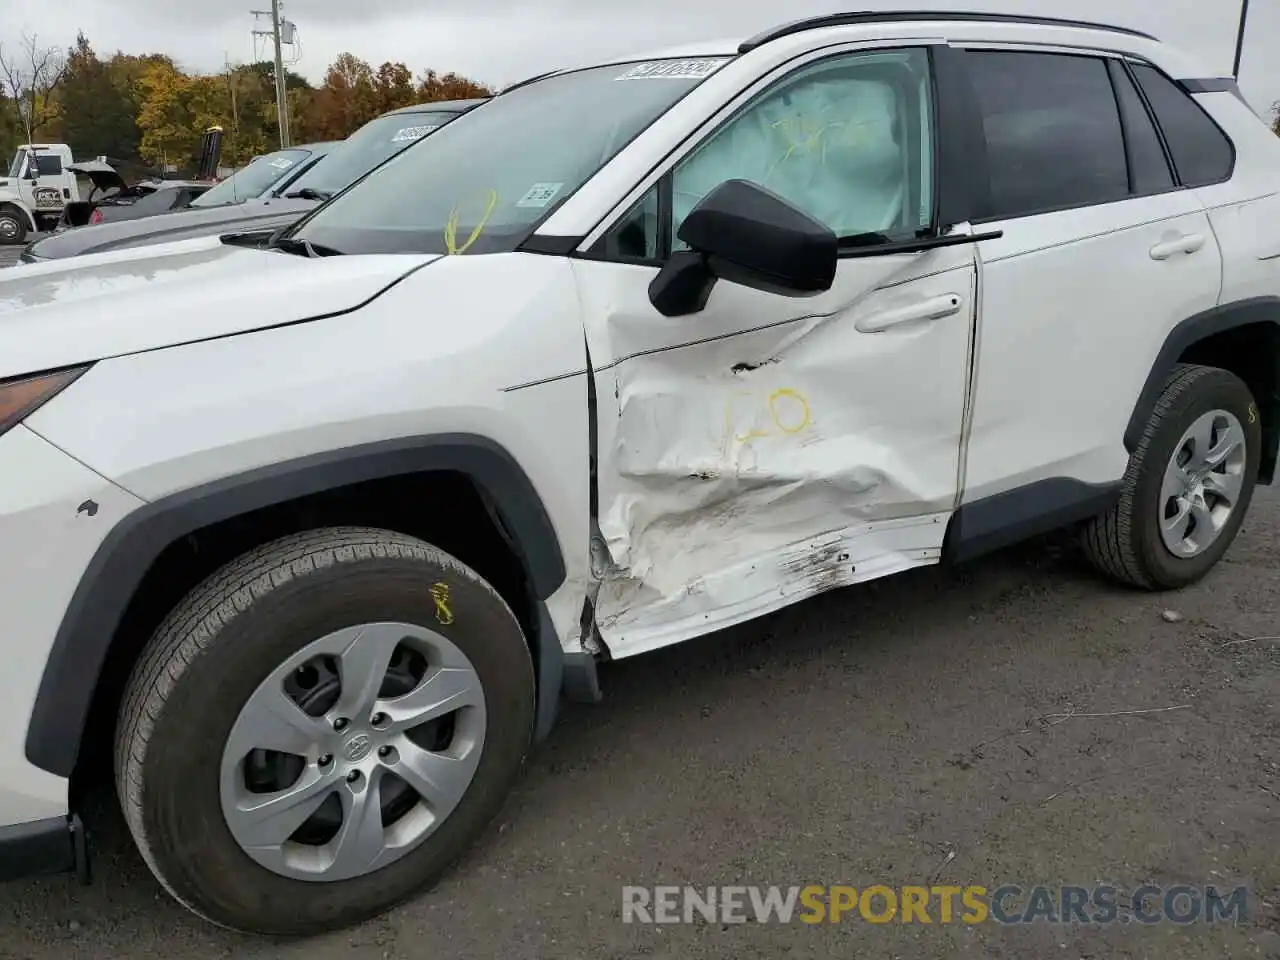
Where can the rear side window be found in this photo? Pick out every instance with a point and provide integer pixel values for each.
(1053, 132)
(1202, 154)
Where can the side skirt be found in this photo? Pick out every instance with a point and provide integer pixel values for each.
(1004, 519)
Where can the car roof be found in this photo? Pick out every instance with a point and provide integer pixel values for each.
(1002, 26)
(431, 105)
(733, 46)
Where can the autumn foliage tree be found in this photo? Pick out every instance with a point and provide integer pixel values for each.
(353, 93)
(147, 109)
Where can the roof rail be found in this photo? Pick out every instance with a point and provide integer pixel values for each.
(853, 18)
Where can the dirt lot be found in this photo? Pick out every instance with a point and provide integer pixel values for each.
(864, 737)
(9, 255)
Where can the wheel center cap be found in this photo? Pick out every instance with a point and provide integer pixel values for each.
(358, 747)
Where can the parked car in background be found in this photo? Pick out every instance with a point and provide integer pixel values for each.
(113, 199)
(372, 144)
(347, 162)
(262, 176)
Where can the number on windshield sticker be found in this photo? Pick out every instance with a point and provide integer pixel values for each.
(282, 163)
(413, 133)
(672, 70)
(539, 195)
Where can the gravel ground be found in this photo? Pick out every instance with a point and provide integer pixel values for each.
(937, 727)
(9, 254)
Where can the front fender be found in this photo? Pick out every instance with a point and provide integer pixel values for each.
(116, 571)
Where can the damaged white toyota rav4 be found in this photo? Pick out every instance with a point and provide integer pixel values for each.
(311, 533)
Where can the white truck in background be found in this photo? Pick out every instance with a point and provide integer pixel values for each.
(35, 189)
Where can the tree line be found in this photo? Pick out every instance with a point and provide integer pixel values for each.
(146, 111)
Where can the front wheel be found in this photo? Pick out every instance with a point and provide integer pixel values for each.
(13, 226)
(1188, 485)
(321, 728)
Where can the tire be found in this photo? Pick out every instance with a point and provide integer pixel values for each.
(13, 226)
(215, 650)
(1125, 543)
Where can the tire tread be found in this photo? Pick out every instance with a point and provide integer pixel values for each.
(1110, 541)
(194, 624)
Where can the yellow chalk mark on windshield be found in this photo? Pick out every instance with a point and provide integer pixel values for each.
(451, 227)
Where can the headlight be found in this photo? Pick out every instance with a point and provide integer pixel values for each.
(22, 396)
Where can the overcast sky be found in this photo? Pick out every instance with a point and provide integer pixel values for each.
(500, 41)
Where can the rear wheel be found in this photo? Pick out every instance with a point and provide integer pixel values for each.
(13, 226)
(321, 728)
(1188, 486)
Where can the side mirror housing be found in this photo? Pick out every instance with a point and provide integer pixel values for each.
(744, 234)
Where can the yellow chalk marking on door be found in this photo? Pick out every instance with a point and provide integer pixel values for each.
(805, 415)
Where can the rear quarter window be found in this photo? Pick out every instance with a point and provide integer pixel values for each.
(1202, 153)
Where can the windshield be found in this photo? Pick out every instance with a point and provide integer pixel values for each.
(367, 147)
(481, 183)
(15, 168)
(254, 180)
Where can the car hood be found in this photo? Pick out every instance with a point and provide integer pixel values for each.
(77, 311)
(168, 227)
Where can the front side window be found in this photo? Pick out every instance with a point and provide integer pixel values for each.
(481, 183)
(1053, 134)
(848, 141)
(254, 180)
(1202, 154)
(369, 146)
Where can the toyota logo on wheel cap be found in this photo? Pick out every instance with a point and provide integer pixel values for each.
(358, 748)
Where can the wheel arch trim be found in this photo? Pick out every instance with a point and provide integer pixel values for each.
(117, 569)
(1194, 329)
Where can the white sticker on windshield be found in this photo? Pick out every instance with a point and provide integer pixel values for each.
(282, 163)
(414, 133)
(539, 195)
(672, 70)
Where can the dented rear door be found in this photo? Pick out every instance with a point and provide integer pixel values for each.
(769, 448)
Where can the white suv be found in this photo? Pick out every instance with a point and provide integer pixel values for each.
(318, 529)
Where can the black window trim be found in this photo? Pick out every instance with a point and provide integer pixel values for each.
(952, 112)
(1185, 87)
(1119, 72)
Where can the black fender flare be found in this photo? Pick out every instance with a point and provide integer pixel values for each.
(109, 582)
(1200, 327)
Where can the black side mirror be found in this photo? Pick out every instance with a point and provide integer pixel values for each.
(742, 233)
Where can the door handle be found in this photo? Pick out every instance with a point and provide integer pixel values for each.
(1188, 243)
(934, 308)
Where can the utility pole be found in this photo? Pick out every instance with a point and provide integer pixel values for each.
(282, 98)
(282, 91)
(1244, 18)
